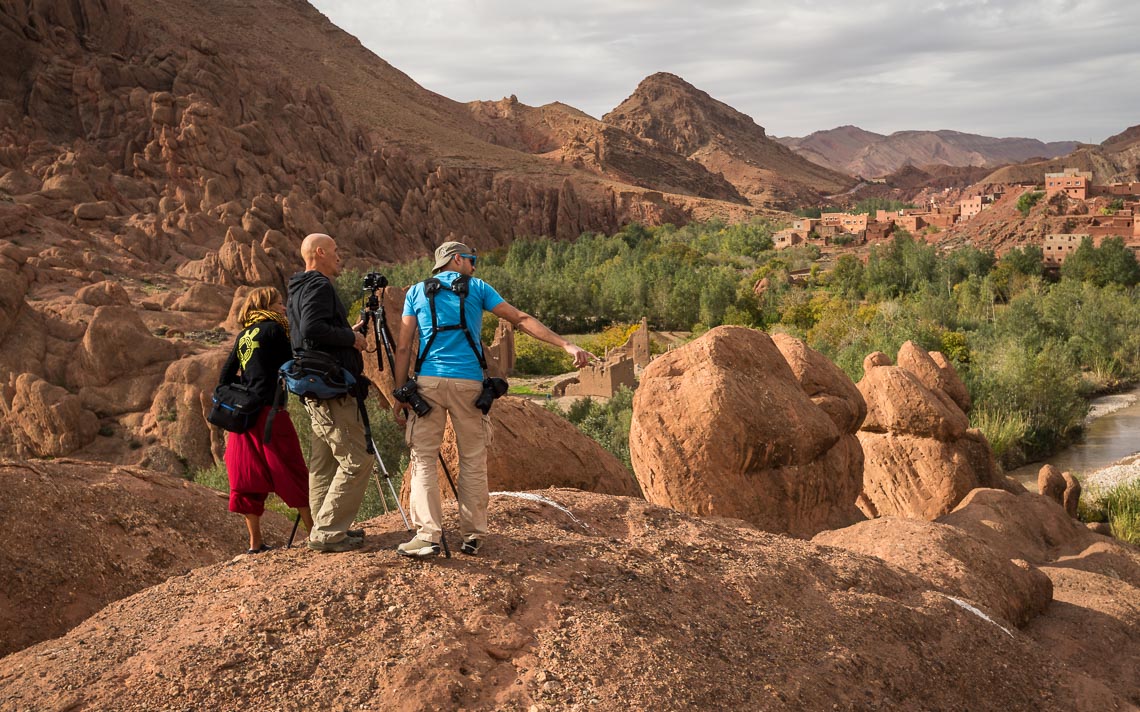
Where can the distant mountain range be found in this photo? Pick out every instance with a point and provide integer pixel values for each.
(852, 150)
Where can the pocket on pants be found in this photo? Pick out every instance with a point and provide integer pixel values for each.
(412, 417)
(488, 430)
(319, 414)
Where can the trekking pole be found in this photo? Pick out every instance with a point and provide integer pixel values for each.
(294, 532)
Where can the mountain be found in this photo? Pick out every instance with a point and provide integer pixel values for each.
(858, 152)
(1116, 159)
(836, 148)
(668, 111)
(564, 134)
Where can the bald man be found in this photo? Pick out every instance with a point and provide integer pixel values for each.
(339, 462)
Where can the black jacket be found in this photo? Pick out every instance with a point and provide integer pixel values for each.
(318, 321)
(264, 347)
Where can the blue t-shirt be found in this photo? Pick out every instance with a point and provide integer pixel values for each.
(451, 356)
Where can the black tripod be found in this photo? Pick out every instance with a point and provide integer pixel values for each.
(382, 337)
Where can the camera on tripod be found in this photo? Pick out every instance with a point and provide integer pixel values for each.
(374, 281)
(409, 393)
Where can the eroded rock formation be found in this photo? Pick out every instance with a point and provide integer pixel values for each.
(725, 426)
(921, 457)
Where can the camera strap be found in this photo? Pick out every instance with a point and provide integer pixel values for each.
(458, 287)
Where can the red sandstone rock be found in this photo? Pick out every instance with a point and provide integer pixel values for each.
(97, 533)
(721, 426)
(953, 561)
(920, 456)
(1051, 483)
(824, 382)
(898, 402)
(1071, 497)
(45, 420)
(939, 378)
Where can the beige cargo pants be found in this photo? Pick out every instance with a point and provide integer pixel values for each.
(454, 397)
(339, 466)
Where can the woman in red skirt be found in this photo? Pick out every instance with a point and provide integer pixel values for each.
(256, 468)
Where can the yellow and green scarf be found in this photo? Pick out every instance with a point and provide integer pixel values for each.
(257, 315)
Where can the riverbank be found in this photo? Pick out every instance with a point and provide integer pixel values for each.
(1119, 473)
(1110, 441)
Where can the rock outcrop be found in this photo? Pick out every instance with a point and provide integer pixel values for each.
(157, 158)
(921, 457)
(723, 426)
(954, 561)
(532, 448)
(92, 533)
(610, 604)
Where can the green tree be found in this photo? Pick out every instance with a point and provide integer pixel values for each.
(1027, 200)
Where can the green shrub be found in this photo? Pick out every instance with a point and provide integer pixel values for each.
(1027, 200)
(606, 423)
(1119, 505)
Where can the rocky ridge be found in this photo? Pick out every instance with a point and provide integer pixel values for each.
(852, 150)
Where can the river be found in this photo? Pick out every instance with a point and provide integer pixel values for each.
(1112, 435)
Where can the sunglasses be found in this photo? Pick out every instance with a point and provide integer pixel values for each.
(470, 257)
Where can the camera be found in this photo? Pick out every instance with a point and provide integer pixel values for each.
(409, 393)
(374, 281)
(492, 388)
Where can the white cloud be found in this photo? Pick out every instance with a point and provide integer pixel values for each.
(1047, 69)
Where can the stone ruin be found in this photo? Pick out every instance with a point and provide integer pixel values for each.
(500, 354)
(619, 368)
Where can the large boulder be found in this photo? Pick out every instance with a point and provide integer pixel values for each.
(824, 382)
(533, 448)
(44, 419)
(952, 561)
(723, 426)
(920, 455)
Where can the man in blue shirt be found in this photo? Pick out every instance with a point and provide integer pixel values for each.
(449, 376)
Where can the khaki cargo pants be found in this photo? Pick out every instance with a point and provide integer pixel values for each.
(339, 466)
(454, 397)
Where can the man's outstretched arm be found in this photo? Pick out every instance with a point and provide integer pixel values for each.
(529, 325)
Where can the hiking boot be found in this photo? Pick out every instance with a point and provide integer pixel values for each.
(418, 548)
(471, 545)
(349, 543)
(355, 533)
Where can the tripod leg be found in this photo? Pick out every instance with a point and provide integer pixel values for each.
(396, 499)
(380, 491)
(383, 469)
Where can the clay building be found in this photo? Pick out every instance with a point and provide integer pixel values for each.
(805, 225)
(1123, 189)
(784, 239)
(911, 223)
(599, 381)
(1073, 182)
(1059, 246)
(969, 207)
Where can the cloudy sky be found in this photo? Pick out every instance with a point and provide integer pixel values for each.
(1046, 69)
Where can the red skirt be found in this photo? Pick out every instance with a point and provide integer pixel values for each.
(255, 469)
